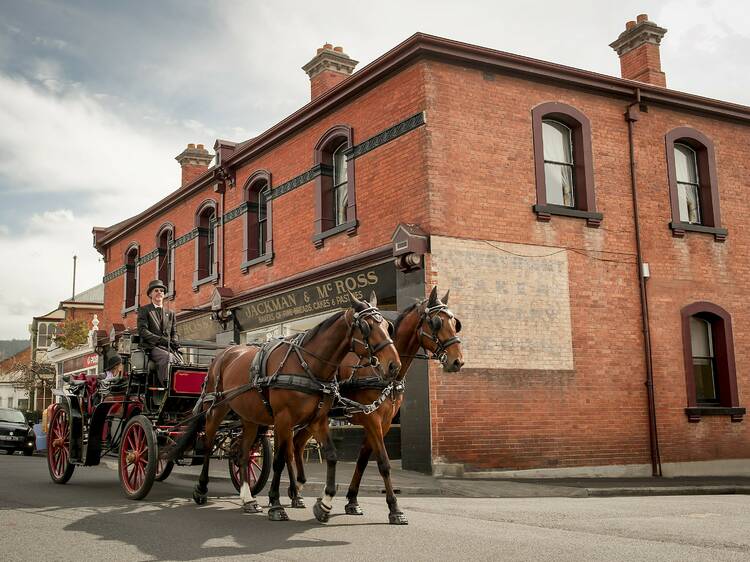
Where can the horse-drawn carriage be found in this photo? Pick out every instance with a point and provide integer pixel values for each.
(133, 416)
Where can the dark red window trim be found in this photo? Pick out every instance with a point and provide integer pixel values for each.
(582, 155)
(168, 226)
(132, 274)
(325, 222)
(726, 376)
(708, 184)
(204, 272)
(264, 255)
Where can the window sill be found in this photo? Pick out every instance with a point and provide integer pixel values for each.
(679, 229)
(349, 227)
(125, 311)
(695, 413)
(266, 258)
(210, 279)
(544, 213)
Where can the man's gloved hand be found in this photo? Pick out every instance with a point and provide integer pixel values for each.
(163, 342)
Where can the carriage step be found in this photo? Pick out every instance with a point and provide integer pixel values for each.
(157, 388)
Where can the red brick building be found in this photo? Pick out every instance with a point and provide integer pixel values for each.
(589, 228)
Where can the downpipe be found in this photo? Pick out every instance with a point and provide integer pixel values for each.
(632, 114)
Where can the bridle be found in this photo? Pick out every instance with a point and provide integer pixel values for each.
(359, 321)
(432, 317)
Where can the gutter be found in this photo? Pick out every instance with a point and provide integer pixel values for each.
(632, 114)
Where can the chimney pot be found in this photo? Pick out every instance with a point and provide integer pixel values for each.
(638, 48)
(327, 68)
(194, 162)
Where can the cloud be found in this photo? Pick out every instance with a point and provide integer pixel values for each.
(42, 272)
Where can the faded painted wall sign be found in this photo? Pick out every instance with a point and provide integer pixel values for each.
(515, 309)
(320, 297)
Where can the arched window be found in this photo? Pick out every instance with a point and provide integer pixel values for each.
(563, 163)
(165, 259)
(708, 349)
(42, 340)
(130, 297)
(693, 187)
(258, 245)
(205, 244)
(335, 205)
(559, 165)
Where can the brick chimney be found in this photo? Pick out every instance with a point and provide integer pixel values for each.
(327, 68)
(638, 47)
(194, 161)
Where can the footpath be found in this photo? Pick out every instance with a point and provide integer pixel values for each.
(410, 483)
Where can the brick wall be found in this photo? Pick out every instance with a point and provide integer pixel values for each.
(482, 186)
(390, 186)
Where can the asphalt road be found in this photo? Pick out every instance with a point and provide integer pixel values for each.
(89, 519)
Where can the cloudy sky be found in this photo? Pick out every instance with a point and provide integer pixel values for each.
(97, 98)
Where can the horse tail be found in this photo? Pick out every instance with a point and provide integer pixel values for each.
(196, 423)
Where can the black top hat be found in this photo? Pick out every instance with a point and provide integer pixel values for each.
(113, 361)
(155, 284)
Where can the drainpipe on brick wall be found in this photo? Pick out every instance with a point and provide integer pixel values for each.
(221, 214)
(632, 114)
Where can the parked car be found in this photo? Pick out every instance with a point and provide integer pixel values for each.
(15, 433)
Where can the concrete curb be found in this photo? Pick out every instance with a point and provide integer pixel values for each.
(667, 491)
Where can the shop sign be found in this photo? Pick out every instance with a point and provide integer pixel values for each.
(82, 362)
(202, 328)
(320, 297)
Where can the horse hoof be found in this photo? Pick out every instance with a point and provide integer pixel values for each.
(298, 503)
(397, 519)
(200, 498)
(277, 513)
(320, 511)
(353, 509)
(252, 507)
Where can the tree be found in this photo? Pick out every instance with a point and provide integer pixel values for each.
(71, 334)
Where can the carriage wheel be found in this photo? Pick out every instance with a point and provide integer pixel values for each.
(58, 447)
(258, 467)
(163, 469)
(138, 458)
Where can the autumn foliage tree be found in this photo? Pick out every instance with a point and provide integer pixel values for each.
(71, 334)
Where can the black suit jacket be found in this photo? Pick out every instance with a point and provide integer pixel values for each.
(154, 333)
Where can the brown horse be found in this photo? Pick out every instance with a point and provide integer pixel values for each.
(300, 391)
(430, 325)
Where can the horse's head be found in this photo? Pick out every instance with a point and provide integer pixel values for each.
(437, 332)
(371, 336)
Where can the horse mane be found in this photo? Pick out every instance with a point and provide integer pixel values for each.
(403, 315)
(324, 325)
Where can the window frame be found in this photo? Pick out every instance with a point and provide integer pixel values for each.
(252, 223)
(708, 182)
(167, 253)
(725, 370)
(583, 168)
(325, 221)
(206, 266)
(132, 275)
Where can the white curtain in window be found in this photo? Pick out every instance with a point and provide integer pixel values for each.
(700, 337)
(341, 195)
(558, 165)
(686, 170)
